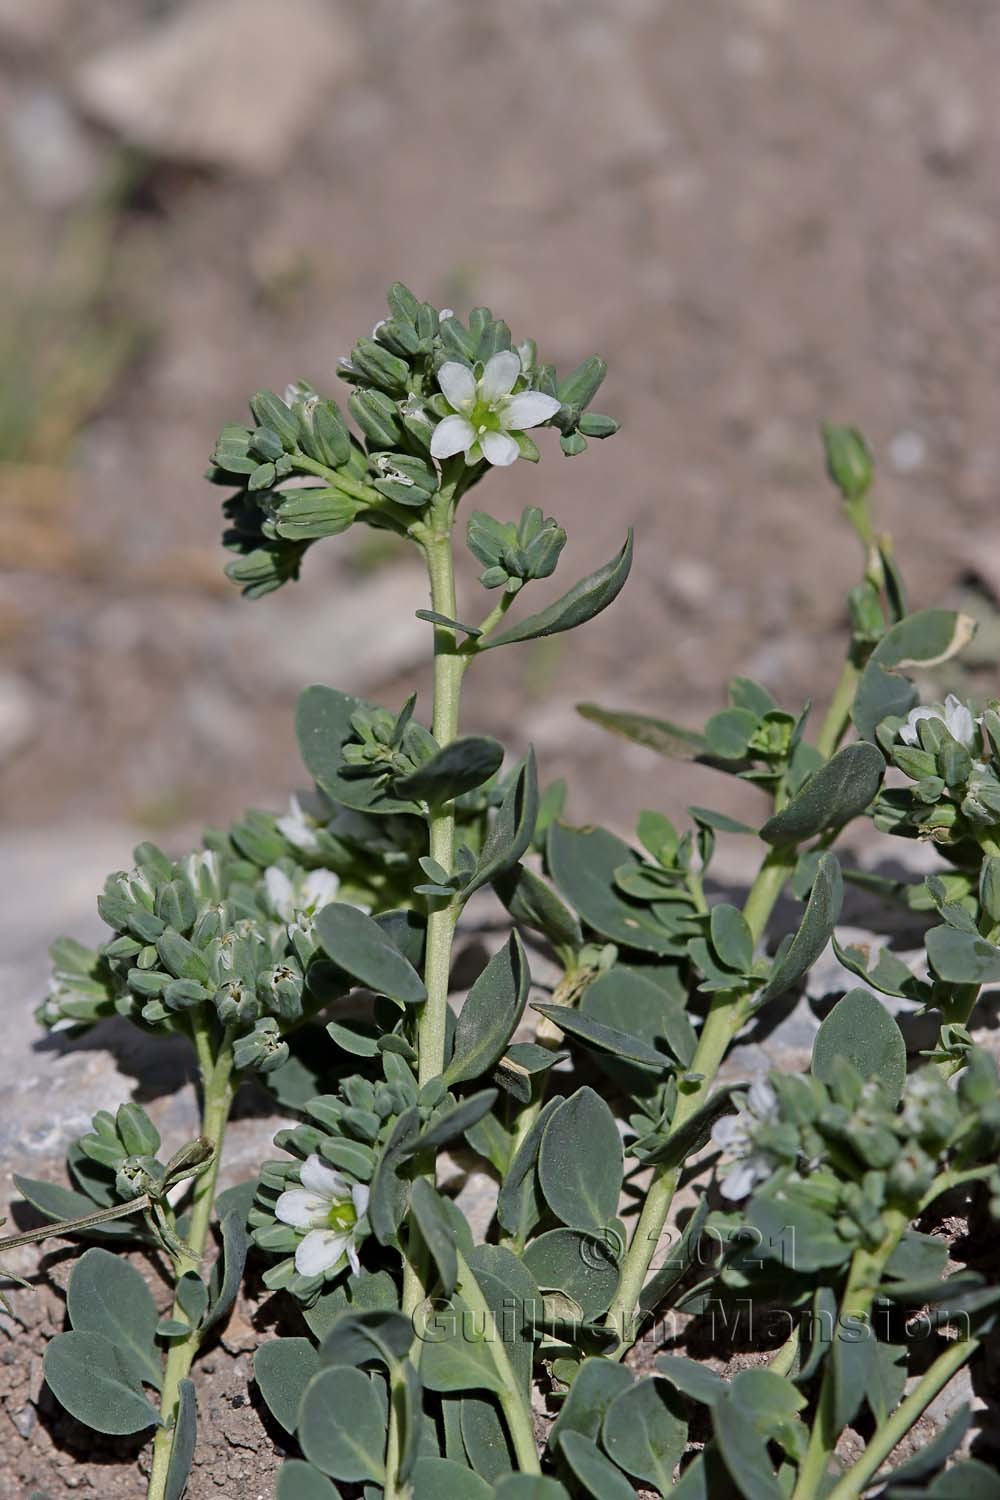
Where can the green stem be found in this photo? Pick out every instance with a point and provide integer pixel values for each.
(727, 1015)
(435, 539)
(855, 1308)
(784, 1359)
(909, 1411)
(217, 1084)
(515, 1407)
(839, 713)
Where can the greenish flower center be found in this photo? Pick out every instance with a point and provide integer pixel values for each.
(342, 1216)
(483, 417)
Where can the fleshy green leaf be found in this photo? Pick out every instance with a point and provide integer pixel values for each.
(598, 1475)
(731, 937)
(584, 863)
(341, 1425)
(518, 1208)
(437, 1232)
(323, 726)
(597, 1384)
(815, 929)
(578, 1263)
(456, 1355)
(833, 795)
(445, 1479)
(631, 1002)
(360, 946)
(300, 1481)
(962, 957)
(604, 1038)
(490, 1014)
(57, 1202)
(513, 828)
(185, 1437)
(282, 1369)
(655, 734)
(860, 1029)
(108, 1296)
(231, 1263)
(96, 1383)
(744, 1450)
(922, 640)
(460, 767)
(532, 903)
(581, 1187)
(644, 1434)
(583, 602)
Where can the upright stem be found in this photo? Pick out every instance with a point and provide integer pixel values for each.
(513, 1404)
(435, 538)
(855, 1307)
(839, 713)
(217, 1083)
(726, 1017)
(895, 1428)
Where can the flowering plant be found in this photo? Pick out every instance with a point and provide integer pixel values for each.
(315, 950)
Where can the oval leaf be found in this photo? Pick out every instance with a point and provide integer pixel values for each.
(282, 1369)
(921, 640)
(108, 1296)
(490, 1014)
(513, 827)
(581, 1186)
(460, 767)
(833, 795)
(583, 601)
(96, 1384)
(360, 947)
(323, 727)
(580, 1263)
(342, 1425)
(445, 1479)
(643, 1435)
(300, 1481)
(583, 863)
(962, 957)
(860, 1029)
(597, 1474)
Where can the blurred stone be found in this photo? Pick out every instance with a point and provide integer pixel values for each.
(34, 23)
(222, 83)
(18, 716)
(51, 154)
(357, 637)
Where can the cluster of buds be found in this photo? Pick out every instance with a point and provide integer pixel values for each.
(387, 746)
(513, 554)
(425, 388)
(217, 929)
(948, 754)
(848, 1150)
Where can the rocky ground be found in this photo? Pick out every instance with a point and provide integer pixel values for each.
(761, 214)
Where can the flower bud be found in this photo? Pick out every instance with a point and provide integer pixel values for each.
(383, 369)
(272, 413)
(262, 1049)
(377, 417)
(848, 461)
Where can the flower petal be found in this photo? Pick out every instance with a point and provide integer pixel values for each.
(908, 731)
(360, 1194)
(499, 448)
(319, 1178)
(452, 435)
(959, 721)
(302, 1209)
(458, 384)
(502, 369)
(280, 892)
(320, 1251)
(352, 1257)
(527, 409)
(321, 887)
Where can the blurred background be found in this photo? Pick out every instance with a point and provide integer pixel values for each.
(760, 213)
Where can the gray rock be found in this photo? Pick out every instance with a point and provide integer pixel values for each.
(222, 83)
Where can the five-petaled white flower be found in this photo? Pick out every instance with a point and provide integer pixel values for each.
(485, 413)
(329, 1208)
(956, 718)
(733, 1133)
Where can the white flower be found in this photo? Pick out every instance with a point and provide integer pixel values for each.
(329, 1208)
(307, 812)
(955, 717)
(733, 1134)
(485, 414)
(301, 897)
